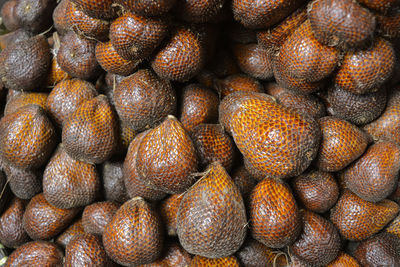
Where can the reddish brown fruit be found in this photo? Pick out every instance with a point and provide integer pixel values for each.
(61, 24)
(374, 176)
(135, 235)
(143, 100)
(244, 181)
(72, 231)
(182, 58)
(113, 182)
(269, 148)
(69, 183)
(389, 24)
(199, 105)
(27, 137)
(12, 234)
(198, 11)
(44, 221)
(237, 82)
(344, 260)
(199, 261)
(135, 37)
(319, 243)
(14, 37)
(214, 199)
(363, 71)
(56, 74)
(9, 19)
(176, 255)
(90, 133)
(274, 216)
(25, 99)
(24, 184)
(32, 253)
(394, 227)
(341, 23)
(358, 219)
(67, 96)
(96, 216)
(379, 5)
(35, 15)
(342, 143)
(101, 9)
(318, 191)
(169, 211)
(147, 7)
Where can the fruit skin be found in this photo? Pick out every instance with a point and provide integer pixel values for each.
(113, 181)
(35, 15)
(61, 23)
(100, 9)
(275, 220)
(9, 19)
(237, 82)
(96, 216)
(169, 212)
(379, 5)
(147, 7)
(24, 184)
(25, 99)
(344, 260)
(135, 234)
(72, 231)
(199, 261)
(211, 220)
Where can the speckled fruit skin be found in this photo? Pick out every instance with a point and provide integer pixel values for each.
(169, 211)
(199, 261)
(72, 231)
(25, 99)
(344, 259)
(96, 216)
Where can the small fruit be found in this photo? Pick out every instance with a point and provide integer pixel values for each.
(31, 253)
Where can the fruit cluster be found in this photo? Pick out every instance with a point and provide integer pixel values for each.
(200, 133)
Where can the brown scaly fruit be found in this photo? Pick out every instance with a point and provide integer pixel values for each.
(100, 9)
(9, 19)
(25, 99)
(147, 7)
(195, 11)
(343, 260)
(30, 254)
(24, 184)
(72, 231)
(113, 182)
(97, 215)
(237, 82)
(169, 211)
(199, 261)
(34, 15)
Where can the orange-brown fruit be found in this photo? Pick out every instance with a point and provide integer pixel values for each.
(395, 196)
(45, 253)
(25, 64)
(25, 99)
(389, 24)
(318, 191)
(113, 182)
(275, 141)
(374, 176)
(67, 96)
(320, 243)
(341, 23)
(199, 261)
(96, 216)
(244, 181)
(255, 254)
(275, 220)
(77, 56)
(394, 227)
(69, 183)
(196, 11)
(344, 260)
(14, 37)
(56, 74)
(143, 100)
(364, 71)
(24, 184)
(166, 157)
(134, 184)
(181, 58)
(213, 144)
(387, 126)
(12, 233)
(90, 133)
(86, 250)
(237, 82)
(254, 60)
(380, 250)
(379, 5)
(9, 20)
(358, 219)
(198, 105)
(263, 14)
(100, 9)
(43, 221)
(169, 211)
(27, 137)
(134, 236)
(35, 15)
(342, 143)
(211, 218)
(135, 37)
(110, 61)
(85, 25)
(306, 59)
(61, 24)
(72, 231)
(147, 7)
(355, 108)
(276, 36)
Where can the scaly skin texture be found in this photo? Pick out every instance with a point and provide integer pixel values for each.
(147, 7)
(344, 260)
(96, 216)
(199, 261)
(25, 99)
(169, 212)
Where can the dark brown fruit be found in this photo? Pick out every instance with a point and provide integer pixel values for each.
(27, 137)
(72, 231)
(182, 58)
(263, 14)
(198, 11)
(90, 133)
(25, 99)
(7, 194)
(363, 71)
(237, 82)
(9, 19)
(389, 24)
(135, 235)
(374, 176)
(14, 37)
(86, 250)
(244, 181)
(254, 60)
(274, 216)
(147, 7)
(143, 100)
(35, 15)
(358, 219)
(355, 108)
(61, 23)
(199, 261)
(135, 37)
(77, 56)
(166, 157)
(341, 23)
(12, 234)
(100, 9)
(275, 141)
(69, 183)
(198, 105)
(135, 185)
(25, 64)
(387, 126)
(379, 5)
(211, 218)
(67, 96)
(342, 143)
(113, 182)
(344, 260)
(318, 191)
(223, 64)
(31, 253)
(176, 256)
(169, 211)
(23, 183)
(380, 250)
(96, 216)
(44, 221)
